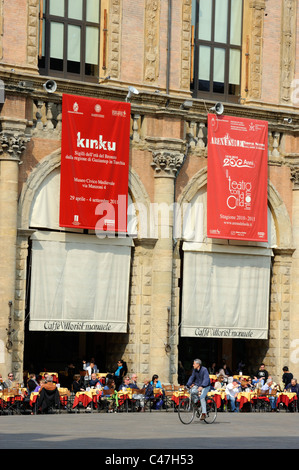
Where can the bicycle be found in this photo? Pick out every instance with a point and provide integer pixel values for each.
(188, 410)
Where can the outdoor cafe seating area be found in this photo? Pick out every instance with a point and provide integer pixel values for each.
(17, 400)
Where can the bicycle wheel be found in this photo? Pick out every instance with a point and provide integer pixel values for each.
(186, 411)
(211, 412)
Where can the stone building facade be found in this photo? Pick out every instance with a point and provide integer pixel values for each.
(147, 44)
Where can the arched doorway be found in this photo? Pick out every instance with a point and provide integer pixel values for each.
(213, 342)
(55, 346)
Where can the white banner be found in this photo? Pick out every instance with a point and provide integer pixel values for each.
(79, 283)
(225, 292)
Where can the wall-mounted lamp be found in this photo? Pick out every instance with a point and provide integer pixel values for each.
(218, 108)
(132, 91)
(187, 104)
(50, 86)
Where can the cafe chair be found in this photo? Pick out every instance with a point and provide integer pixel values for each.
(108, 400)
(156, 401)
(168, 394)
(7, 402)
(48, 401)
(137, 399)
(262, 401)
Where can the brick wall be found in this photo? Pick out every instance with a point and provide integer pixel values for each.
(15, 32)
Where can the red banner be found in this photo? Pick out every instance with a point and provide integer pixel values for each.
(237, 178)
(94, 164)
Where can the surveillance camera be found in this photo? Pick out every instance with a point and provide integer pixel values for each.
(50, 86)
(288, 120)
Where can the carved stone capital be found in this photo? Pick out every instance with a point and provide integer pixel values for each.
(13, 138)
(12, 145)
(168, 155)
(295, 177)
(167, 162)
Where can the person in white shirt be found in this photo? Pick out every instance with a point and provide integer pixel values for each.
(90, 369)
(232, 389)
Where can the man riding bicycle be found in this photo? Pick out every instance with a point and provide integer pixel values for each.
(199, 384)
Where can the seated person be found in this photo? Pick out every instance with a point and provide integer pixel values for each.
(125, 384)
(133, 381)
(110, 384)
(268, 387)
(250, 386)
(218, 386)
(49, 383)
(32, 383)
(148, 395)
(10, 382)
(94, 381)
(106, 399)
(223, 375)
(219, 383)
(258, 383)
(243, 385)
(155, 382)
(2, 383)
(232, 389)
(139, 397)
(77, 385)
(293, 387)
(38, 387)
(48, 395)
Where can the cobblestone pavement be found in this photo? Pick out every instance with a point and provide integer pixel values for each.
(158, 430)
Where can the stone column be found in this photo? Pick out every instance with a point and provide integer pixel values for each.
(12, 144)
(167, 159)
(280, 320)
(293, 361)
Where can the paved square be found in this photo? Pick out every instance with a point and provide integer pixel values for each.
(157, 430)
